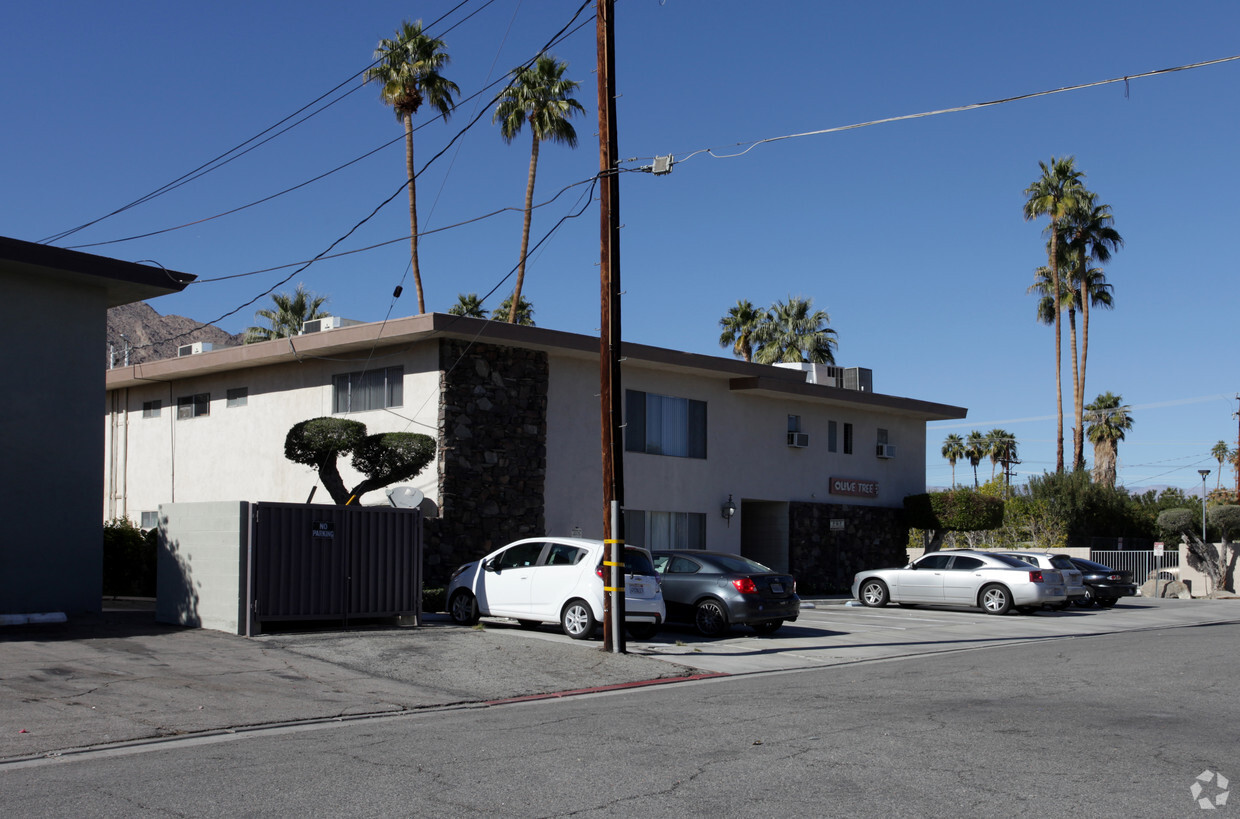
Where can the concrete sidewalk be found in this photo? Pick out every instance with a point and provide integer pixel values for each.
(120, 676)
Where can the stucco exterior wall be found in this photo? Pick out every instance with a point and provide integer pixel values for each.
(52, 558)
(201, 565)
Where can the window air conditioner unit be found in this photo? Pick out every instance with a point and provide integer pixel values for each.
(886, 450)
(798, 439)
(318, 325)
(195, 348)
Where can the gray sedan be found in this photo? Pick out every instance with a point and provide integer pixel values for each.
(716, 590)
(994, 583)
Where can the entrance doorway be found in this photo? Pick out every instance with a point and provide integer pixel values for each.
(764, 533)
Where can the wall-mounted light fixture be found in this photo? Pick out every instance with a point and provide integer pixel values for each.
(728, 510)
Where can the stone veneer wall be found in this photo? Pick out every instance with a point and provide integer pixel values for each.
(492, 453)
(824, 561)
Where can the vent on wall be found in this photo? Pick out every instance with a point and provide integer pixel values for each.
(195, 348)
(798, 439)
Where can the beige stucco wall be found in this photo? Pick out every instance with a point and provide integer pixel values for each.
(238, 452)
(747, 452)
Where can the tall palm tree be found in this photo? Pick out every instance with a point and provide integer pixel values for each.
(524, 311)
(1221, 453)
(739, 326)
(1002, 448)
(540, 94)
(953, 450)
(1071, 294)
(407, 71)
(975, 448)
(284, 320)
(1108, 421)
(1091, 237)
(793, 331)
(468, 304)
(1054, 194)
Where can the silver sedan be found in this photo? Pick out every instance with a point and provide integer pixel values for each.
(994, 583)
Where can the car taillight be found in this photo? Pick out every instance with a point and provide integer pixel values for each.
(745, 585)
(1036, 577)
(1113, 577)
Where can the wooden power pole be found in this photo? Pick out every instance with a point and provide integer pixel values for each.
(609, 332)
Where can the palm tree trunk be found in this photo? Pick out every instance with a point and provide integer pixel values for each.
(525, 228)
(1078, 457)
(413, 214)
(1080, 390)
(1058, 348)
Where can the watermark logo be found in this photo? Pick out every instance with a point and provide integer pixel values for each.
(1210, 789)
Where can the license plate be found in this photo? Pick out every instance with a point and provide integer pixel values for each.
(636, 589)
(777, 588)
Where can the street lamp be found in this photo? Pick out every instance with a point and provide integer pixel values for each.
(1203, 473)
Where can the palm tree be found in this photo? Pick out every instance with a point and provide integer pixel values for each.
(1108, 423)
(1221, 453)
(953, 450)
(1054, 194)
(739, 326)
(975, 448)
(1091, 237)
(287, 317)
(524, 312)
(468, 304)
(793, 331)
(407, 71)
(1002, 448)
(538, 93)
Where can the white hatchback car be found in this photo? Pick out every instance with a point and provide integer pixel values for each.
(555, 580)
(1073, 578)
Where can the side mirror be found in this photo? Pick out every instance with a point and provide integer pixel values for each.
(911, 566)
(490, 566)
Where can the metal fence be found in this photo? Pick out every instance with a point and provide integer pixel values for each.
(1142, 564)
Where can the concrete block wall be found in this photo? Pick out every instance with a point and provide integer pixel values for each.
(201, 580)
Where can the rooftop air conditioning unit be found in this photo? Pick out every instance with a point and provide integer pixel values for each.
(318, 325)
(886, 450)
(859, 378)
(195, 348)
(798, 439)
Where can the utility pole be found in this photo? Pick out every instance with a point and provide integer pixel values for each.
(1237, 455)
(609, 332)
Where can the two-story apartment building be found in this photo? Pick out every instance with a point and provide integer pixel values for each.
(816, 473)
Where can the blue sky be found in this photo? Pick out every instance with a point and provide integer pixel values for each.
(910, 234)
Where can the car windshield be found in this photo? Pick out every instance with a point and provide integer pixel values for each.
(1014, 562)
(738, 564)
(636, 562)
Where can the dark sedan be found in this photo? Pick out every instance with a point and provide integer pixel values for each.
(1103, 585)
(714, 591)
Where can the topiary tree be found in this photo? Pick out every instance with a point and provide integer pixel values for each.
(957, 510)
(384, 458)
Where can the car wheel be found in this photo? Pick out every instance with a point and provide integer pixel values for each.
(577, 620)
(996, 599)
(874, 593)
(1107, 602)
(711, 618)
(1088, 600)
(642, 631)
(528, 623)
(767, 626)
(463, 609)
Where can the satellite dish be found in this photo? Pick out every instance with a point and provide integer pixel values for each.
(405, 497)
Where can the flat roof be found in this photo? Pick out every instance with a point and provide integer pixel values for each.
(741, 376)
(124, 282)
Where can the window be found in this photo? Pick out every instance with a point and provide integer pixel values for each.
(794, 423)
(193, 406)
(150, 520)
(665, 530)
(664, 425)
(966, 564)
(882, 436)
(934, 561)
(151, 409)
(518, 557)
(561, 554)
(833, 436)
(848, 439)
(238, 397)
(368, 390)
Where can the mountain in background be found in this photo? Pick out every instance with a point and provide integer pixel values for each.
(151, 336)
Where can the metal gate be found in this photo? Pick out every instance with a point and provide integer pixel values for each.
(316, 562)
(1141, 563)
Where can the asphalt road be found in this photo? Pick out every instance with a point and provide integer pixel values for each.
(1107, 717)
